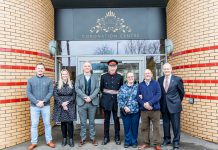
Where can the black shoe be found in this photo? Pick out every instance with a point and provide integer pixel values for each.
(175, 146)
(126, 146)
(134, 145)
(117, 141)
(64, 142)
(105, 141)
(165, 143)
(71, 143)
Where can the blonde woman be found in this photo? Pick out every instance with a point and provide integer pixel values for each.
(64, 106)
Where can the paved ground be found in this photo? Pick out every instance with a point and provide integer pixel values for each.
(187, 142)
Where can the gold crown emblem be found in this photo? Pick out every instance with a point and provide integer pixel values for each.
(110, 13)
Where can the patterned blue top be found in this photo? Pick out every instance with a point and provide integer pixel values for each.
(127, 96)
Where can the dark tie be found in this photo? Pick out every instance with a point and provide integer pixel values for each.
(166, 86)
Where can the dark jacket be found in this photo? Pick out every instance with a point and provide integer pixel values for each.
(111, 82)
(172, 100)
(150, 93)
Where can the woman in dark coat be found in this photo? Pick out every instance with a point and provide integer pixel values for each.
(64, 106)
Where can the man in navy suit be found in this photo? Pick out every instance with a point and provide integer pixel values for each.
(171, 104)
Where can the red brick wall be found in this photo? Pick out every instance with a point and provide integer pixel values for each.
(193, 27)
(26, 27)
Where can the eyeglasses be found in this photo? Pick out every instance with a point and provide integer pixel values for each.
(130, 77)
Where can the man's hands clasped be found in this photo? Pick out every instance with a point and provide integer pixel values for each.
(40, 103)
(87, 99)
(146, 105)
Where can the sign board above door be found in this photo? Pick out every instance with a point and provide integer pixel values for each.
(110, 24)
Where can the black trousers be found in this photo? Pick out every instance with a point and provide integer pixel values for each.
(175, 121)
(67, 127)
(107, 115)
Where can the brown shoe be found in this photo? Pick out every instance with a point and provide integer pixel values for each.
(142, 147)
(158, 147)
(94, 142)
(32, 146)
(81, 143)
(51, 144)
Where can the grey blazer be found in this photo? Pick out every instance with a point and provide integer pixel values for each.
(80, 89)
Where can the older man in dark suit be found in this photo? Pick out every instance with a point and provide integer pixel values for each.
(87, 88)
(171, 104)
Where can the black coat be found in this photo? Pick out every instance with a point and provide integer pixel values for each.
(61, 95)
(172, 100)
(111, 82)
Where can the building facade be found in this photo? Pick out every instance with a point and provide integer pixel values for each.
(26, 27)
(25, 30)
(193, 28)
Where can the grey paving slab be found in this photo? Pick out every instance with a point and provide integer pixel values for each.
(187, 142)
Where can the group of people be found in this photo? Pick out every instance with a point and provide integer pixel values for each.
(130, 101)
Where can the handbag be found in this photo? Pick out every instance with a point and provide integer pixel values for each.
(122, 110)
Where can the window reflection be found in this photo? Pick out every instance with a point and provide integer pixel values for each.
(118, 47)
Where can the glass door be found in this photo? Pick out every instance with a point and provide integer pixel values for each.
(99, 66)
(155, 64)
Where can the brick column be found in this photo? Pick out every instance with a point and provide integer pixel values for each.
(193, 27)
(26, 27)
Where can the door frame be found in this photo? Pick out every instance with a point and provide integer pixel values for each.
(124, 58)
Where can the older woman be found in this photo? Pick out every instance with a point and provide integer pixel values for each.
(129, 109)
(64, 106)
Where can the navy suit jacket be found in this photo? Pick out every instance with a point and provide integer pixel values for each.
(172, 99)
